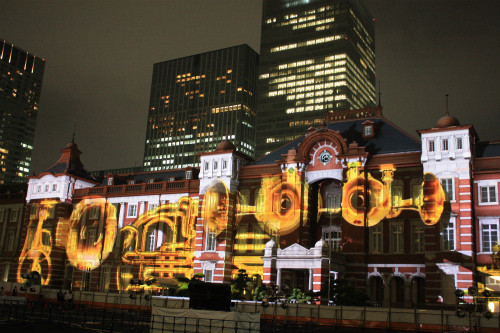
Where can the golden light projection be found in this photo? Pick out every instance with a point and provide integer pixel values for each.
(216, 208)
(89, 241)
(161, 241)
(366, 201)
(35, 255)
(280, 203)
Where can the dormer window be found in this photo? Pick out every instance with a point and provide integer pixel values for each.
(368, 131)
(110, 181)
(151, 180)
(131, 182)
(189, 174)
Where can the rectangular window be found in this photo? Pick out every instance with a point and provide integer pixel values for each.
(215, 165)
(431, 145)
(459, 144)
(418, 238)
(397, 238)
(209, 275)
(152, 206)
(488, 194)
(10, 240)
(489, 233)
(105, 279)
(90, 238)
(14, 214)
(444, 144)
(94, 212)
(54, 187)
(447, 184)
(132, 210)
(125, 277)
(376, 238)
(68, 277)
(368, 131)
(188, 174)
(110, 181)
(224, 164)
(6, 269)
(211, 241)
(86, 279)
(2, 214)
(448, 235)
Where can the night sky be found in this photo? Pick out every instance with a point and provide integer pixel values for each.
(100, 55)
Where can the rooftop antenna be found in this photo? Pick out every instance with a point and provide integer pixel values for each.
(447, 112)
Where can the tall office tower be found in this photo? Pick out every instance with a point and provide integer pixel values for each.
(316, 56)
(198, 101)
(21, 76)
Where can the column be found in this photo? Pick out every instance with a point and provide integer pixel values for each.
(311, 278)
(278, 277)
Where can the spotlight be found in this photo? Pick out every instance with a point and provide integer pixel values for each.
(472, 291)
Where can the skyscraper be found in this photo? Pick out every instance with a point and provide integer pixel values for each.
(198, 101)
(316, 56)
(21, 77)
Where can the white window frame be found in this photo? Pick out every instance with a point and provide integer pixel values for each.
(54, 187)
(132, 210)
(211, 241)
(209, 275)
(447, 230)
(487, 184)
(444, 145)
(450, 196)
(459, 143)
(492, 224)
(432, 146)
(152, 206)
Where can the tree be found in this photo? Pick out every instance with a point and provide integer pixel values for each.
(241, 286)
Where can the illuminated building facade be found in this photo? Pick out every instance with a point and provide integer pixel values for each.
(404, 220)
(316, 56)
(196, 102)
(21, 75)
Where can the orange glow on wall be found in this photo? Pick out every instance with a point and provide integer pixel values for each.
(35, 255)
(366, 201)
(92, 233)
(161, 242)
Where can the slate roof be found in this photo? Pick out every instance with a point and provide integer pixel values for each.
(488, 149)
(388, 139)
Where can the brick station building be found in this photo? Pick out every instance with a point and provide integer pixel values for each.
(355, 197)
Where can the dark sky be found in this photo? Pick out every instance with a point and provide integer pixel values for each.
(100, 55)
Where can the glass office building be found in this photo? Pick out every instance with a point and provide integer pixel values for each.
(317, 56)
(198, 101)
(21, 75)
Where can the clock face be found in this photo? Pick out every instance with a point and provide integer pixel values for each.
(325, 157)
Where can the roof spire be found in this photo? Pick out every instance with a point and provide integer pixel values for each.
(74, 130)
(447, 112)
(379, 94)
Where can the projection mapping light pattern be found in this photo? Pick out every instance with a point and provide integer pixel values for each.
(35, 255)
(89, 242)
(366, 201)
(278, 203)
(161, 242)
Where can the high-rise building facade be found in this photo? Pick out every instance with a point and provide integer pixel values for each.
(198, 101)
(21, 75)
(316, 56)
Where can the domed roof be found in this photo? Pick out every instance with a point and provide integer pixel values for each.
(225, 145)
(447, 121)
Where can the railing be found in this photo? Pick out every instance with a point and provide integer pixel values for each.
(176, 324)
(180, 185)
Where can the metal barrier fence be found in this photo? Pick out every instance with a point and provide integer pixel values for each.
(32, 314)
(174, 324)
